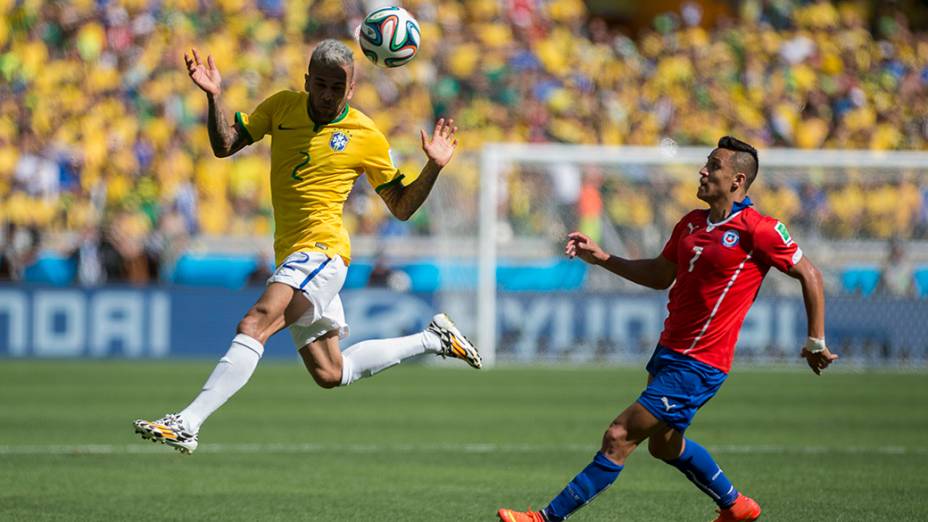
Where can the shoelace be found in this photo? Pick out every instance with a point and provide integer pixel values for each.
(170, 420)
(173, 421)
(445, 347)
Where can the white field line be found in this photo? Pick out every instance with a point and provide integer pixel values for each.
(466, 448)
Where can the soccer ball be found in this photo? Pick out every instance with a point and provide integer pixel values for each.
(389, 37)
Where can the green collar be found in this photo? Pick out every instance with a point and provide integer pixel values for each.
(317, 126)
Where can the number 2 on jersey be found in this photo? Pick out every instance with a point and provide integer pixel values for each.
(697, 251)
(295, 173)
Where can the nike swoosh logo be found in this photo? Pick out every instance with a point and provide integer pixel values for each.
(281, 127)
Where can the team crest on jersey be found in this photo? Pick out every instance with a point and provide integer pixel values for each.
(730, 238)
(339, 141)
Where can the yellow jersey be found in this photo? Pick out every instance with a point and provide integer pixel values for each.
(313, 168)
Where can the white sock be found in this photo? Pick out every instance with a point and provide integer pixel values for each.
(369, 357)
(232, 372)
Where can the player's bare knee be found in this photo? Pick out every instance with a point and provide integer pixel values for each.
(250, 325)
(615, 440)
(256, 323)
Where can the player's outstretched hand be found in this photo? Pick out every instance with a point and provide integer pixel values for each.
(580, 245)
(440, 147)
(818, 361)
(204, 74)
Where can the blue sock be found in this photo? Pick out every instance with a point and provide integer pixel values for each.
(594, 478)
(698, 466)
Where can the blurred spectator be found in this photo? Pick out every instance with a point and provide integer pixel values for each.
(921, 226)
(111, 261)
(590, 204)
(896, 272)
(19, 248)
(164, 245)
(124, 256)
(385, 276)
(88, 256)
(263, 270)
(35, 174)
(814, 208)
(567, 182)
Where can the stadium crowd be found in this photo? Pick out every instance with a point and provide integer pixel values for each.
(103, 139)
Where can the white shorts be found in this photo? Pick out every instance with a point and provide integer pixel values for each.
(319, 278)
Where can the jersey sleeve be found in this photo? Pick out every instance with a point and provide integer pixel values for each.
(378, 165)
(670, 249)
(774, 246)
(259, 121)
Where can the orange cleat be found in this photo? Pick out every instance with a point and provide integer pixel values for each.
(508, 515)
(744, 509)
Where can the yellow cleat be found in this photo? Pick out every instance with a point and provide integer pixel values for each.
(453, 342)
(170, 430)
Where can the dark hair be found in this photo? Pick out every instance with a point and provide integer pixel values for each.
(745, 158)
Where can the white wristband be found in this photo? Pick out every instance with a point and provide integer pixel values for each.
(815, 345)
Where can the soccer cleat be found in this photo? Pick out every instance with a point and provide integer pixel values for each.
(453, 342)
(170, 430)
(508, 515)
(744, 509)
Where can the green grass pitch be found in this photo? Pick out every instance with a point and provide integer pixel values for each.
(446, 444)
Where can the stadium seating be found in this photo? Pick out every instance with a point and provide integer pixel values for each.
(51, 270)
(862, 280)
(921, 282)
(214, 270)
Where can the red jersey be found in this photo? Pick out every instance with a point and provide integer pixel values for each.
(720, 267)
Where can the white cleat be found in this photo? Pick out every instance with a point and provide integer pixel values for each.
(453, 342)
(171, 430)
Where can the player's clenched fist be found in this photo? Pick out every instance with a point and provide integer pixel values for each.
(818, 360)
(580, 245)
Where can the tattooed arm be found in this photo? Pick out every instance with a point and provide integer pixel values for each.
(226, 139)
(402, 201)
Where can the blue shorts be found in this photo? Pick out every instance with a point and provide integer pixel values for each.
(680, 385)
